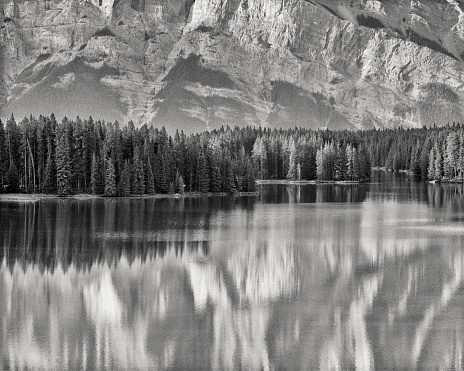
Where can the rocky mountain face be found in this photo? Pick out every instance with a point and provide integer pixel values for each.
(199, 64)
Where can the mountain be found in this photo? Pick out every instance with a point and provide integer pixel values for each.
(199, 64)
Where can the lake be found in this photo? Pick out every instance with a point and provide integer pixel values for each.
(365, 276)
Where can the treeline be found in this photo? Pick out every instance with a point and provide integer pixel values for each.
(86, 156)
(435, 153)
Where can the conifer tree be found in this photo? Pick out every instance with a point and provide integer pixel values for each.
(172, 189)
(438, 162)
(12, 179)
(229, 184)
(96, 177)
(63, 162)
(124, 187)
(138, 174)
(249, 177)
(3, 158)
(180, 184)
(149, 178)
(49, 179)
(203, 177)
(161, 184)
(110, 179)
(431, 168)
(215, 180)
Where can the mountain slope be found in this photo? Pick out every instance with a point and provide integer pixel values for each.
(200, 64)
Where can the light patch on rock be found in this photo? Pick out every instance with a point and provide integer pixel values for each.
(375, 6)
(158, 13)
(106, 7)
(195, 113)
(65, 81)
(94, 65)
(346, 14)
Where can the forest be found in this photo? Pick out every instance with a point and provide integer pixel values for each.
(41, 155)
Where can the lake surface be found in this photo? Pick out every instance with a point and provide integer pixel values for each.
(301, 277)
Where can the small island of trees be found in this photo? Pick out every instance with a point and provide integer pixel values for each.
(40, 155)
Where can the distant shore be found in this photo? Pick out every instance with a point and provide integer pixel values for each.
(303, 182)
(32, 197)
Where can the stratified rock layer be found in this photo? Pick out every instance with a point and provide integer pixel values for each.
(196, 65)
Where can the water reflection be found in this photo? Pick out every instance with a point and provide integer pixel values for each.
(245, 283)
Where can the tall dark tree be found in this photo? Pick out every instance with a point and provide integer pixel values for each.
(3, 158)
(97, 185)
(12, 179)
(49, 179)
(203, 176)
(124, 186)
(138, 175)
(161, 183)
(63, 162)
(149, 178)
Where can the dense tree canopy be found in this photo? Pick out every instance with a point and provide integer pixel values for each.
(87, 156)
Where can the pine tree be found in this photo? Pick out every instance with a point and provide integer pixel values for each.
(110, 179)
(172, 189)
(63, 162)
(138, 177)
(3, 158)
(97, 185)
(203, 177)
(12, 179)
(291, 174)
(438, 162)
(124, 186)
(161, 184)
(49, 182)
(149, 178)
(249, 177)
(229, 185)
(320, 164)
(180, 184)
(431, 168)
(215, 180)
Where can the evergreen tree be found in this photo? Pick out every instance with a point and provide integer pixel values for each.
(12, 179)
(172, 189)
(431, 168)
(124, 186)
(3, 158)
(203, 177)
(180, 184)
(250, 183)
(138, 182)
(229, 185)
(161, 184)
(320, 164)
(149, 178)
(49, 179)
(110, 179)
(97, 185)
(438, 162)
(215, 180)
(63, 162)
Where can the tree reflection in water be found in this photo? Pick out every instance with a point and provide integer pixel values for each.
(235, 283)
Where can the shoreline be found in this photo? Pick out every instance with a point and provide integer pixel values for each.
(34, 197)
(305, 182)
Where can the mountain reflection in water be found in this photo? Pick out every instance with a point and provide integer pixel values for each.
(301, 277)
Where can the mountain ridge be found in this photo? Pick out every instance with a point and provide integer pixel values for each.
(196, 65)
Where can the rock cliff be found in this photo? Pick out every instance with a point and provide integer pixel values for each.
(198, 64)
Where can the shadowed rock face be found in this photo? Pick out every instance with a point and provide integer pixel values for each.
(200, 64)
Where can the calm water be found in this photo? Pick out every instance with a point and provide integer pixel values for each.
(300, 277)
